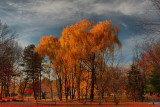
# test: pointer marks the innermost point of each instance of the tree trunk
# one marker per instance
(92, 85)
(60, 88)
(78, 86)
(50, 82)
(66, 94)
(72, 87)
(58, 85)
(78, 82)
(5, 88)
(93, 77)
(69, 88)
(34, 88)
(87, 87)
(102, 93)
(25, 86)
(40, 85)
(66, 85)
(1, 91)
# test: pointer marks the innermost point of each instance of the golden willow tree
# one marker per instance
(78, 51)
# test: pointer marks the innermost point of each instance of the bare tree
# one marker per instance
(156, 3)
(10, 53)
(151, 23)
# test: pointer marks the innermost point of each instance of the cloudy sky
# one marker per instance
(32, 19)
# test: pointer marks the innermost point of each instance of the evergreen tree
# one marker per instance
(154, 81)
(136, 85)
(33, 67)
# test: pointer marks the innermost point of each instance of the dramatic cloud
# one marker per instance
(33, 19)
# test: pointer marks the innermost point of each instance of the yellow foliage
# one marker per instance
(78, 43)
(49, 45)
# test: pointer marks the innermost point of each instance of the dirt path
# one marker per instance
(31, 104)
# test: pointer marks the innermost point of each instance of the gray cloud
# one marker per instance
(32, 11)
(33, 19)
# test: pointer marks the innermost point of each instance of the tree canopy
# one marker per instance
(80, 45)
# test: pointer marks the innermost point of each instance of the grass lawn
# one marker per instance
(31, 104)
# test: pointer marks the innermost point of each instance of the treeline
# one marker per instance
(18, 68)
(84, 62)
(146, 68)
